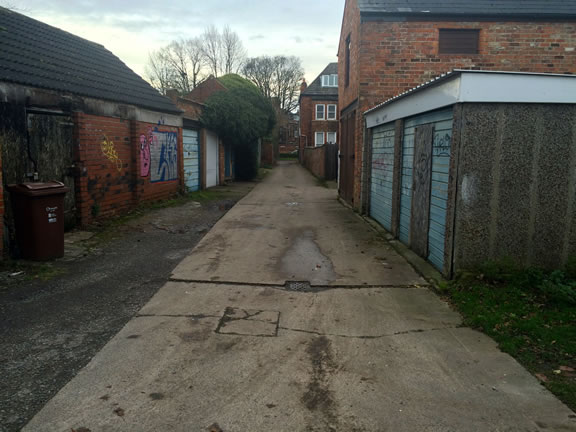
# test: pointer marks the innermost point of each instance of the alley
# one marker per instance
(292, 314)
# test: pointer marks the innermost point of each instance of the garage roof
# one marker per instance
(38, 55)
(517, 8)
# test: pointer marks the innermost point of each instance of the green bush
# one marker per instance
(558, 288)
(240, 115)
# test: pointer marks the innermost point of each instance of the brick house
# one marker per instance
(388, 47)
(319, 112)
(73, 112)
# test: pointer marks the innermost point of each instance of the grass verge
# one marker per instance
(531, 314)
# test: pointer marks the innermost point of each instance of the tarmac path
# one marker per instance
(291, 314)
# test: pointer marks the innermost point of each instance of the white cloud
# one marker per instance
(131, 28)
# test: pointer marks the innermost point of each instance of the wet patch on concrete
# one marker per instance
(156, 396)
(304, 260)
(246, 322)
(319, 399)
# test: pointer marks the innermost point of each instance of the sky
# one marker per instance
(133, 28)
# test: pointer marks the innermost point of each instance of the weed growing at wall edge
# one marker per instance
(531, 313)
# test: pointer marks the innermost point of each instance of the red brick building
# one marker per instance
(389, 47)
(73, 112)
(319, 111)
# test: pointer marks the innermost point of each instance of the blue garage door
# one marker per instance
(382, 175)
(191, 159)
(442, 121)
(439, 194)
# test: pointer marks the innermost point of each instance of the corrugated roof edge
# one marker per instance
(450, 75)
(529, 15)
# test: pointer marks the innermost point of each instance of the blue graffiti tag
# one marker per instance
(164, 156)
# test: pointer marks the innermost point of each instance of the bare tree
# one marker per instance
(185, 63)
(196, 60)
(176, 56)
(223, 51)
(212, 49)
(277, 77)
(233, 52)
(160, 72)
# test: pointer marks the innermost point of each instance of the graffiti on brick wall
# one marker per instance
(109, 150)
(159, 155)
(145, 144)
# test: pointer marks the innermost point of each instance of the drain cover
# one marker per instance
(297, 286)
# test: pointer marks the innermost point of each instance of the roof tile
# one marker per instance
(38, 55)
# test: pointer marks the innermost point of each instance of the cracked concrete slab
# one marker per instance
(368, 359)
(263, 240)
(350, 358)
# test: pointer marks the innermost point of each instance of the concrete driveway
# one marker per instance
(353, 342)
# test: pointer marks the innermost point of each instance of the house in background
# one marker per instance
(319, 112)
(319, 115)
(289, 125)
(389, 47)
(73, 112)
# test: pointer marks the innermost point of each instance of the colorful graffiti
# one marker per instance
(109, 150)
(159, 155)
(145, 144)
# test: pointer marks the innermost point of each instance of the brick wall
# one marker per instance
(309, 126)
(116, 172)
(389, 65)
(314, 160)
(388, 58)
(205, 90)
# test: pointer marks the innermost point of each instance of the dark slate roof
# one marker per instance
(518, 8)
(315, 88)
(38, 55)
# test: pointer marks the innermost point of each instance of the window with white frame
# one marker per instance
(320, 114)
(331, 137)
(319, 141)
(330, 80)
(331, 112)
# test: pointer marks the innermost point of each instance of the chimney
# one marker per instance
(172, 94)
(303, 86)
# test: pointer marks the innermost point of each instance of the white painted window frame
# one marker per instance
(328, 111)
(335, 137)
(329, 80)
(323, 112)
(317, 143)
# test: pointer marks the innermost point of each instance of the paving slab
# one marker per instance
(253, 358)
(291, 228)
(355, 343)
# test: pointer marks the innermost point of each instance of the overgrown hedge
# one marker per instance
(240, 115)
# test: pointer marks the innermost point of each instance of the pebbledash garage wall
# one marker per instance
(477, 166)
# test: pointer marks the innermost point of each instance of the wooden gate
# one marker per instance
(347, 157)
(331, 161)
(50, 154)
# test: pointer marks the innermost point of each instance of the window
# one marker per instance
(319, 139)
(331, 137)
(458, 41)
(347, 74)
(320, 115)
(330, 80)
(331, 112)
